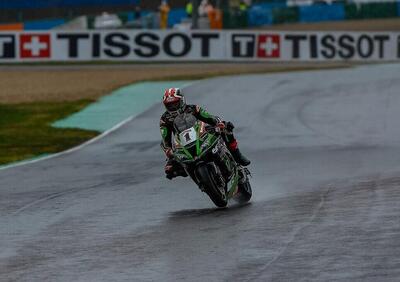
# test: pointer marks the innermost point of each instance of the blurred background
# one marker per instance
(184, 14)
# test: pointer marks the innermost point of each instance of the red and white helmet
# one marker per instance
(174, 100)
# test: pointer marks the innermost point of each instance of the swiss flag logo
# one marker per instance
(269, 46)
(35, 45)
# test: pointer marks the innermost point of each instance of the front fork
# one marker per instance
(220, 180)
(228, 167)
(225, 161)
(244, 175)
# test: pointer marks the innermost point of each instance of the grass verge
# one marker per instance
(26, 132)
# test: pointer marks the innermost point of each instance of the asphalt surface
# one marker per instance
(326, 178)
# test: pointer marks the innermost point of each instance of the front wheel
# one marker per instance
(207, 179)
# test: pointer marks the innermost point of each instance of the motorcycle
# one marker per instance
(201, 150)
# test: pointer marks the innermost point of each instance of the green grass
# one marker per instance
(26, 132)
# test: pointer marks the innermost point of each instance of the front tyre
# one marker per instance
(207, 177)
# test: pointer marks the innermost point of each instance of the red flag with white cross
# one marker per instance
(268, 46)
(35, 45)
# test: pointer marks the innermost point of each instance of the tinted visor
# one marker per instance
(173, 106)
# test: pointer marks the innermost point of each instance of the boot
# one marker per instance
(174, 169)
(239, 158)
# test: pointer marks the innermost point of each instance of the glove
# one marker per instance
(220, 127)
(229, 126)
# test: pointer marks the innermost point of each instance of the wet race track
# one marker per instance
(325, 148)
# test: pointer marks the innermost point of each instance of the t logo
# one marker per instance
(398, 46)
(7, 46)
(243, 45)
(35, 46)
(268, 46)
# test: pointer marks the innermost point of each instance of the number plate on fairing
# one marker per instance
(188, 136)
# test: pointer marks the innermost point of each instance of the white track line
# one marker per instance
(104, 134)
(91, 141)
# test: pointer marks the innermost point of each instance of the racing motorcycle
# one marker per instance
(201, 150)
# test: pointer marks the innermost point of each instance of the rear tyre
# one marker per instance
(207, 179)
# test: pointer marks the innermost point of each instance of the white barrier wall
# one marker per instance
(149, 45)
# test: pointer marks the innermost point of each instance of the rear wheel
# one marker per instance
(207, 178)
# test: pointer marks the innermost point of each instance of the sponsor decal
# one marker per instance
(142, 45)
(268, 46)
(7, 46)
(398, 46)
(243, 45)
(35, 45)
(333, 46)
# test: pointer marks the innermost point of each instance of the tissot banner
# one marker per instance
(174, 46)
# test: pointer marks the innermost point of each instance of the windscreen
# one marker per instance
(184, 121)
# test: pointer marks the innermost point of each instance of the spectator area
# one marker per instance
(47, 14)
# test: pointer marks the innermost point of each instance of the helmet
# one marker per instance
(174, 100)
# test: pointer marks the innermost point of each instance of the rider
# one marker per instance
(174, 102)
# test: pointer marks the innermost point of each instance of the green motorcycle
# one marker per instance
(201, 150)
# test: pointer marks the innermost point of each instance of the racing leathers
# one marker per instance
(173, 168)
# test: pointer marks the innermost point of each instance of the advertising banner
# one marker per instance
(175, 46)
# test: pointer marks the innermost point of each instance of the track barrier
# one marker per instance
(174, 46)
